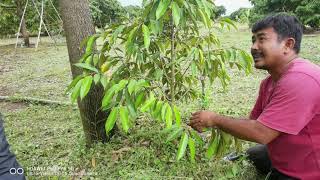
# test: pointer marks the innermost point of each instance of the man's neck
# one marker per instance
(277, 71)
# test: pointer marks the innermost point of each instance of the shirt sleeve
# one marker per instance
(292, 105)
(257, 109)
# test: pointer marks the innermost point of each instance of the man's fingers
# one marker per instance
(195, 113)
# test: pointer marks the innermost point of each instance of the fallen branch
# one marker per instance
(7, 6)
(32, 100)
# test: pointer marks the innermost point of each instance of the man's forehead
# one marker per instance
(266, 31)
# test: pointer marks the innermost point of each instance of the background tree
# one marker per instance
(241, 15)
(106, 12)
(306, 10)
(11, 13)
(78, 25)
(133, 11)
(218, 11)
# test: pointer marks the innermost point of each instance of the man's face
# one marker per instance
(266, 49)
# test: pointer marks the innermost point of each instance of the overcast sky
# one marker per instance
(230, 5)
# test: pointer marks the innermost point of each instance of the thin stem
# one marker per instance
(172, 90)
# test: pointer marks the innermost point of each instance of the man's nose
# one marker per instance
(254, 46)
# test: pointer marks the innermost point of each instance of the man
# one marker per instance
(286, 116)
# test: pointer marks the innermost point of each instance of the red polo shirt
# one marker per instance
(292, 106)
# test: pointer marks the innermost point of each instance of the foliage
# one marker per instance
(151, 64)
(8, 19)
(241, 15)
(218, 11)
(9, 22)
(306, 10)
(133, 11)
(51, 135)
(105, 12)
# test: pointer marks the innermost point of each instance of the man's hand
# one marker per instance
(203, 119)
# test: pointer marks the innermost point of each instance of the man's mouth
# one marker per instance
(256, 56)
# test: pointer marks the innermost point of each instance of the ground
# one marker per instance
(48, 139)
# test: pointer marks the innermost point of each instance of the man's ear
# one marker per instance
(289, 45)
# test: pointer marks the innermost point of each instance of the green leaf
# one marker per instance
(177, 115)
(124, 117)
(139, 99)
(84, 41)
(116, 33)
(90, 43)
(76, 91)
(176, 12)
(96, 78)
(73, 83)
(182, 146)
(213, 146)
(174, 134)
(141, 84)
(87, 66)
(197, 137)
(131, 36)
(146, 36)
(203, 17)
(147, 105)
(131, 85)
(157, 111)
(130, 104)
(108, 96)
(163, 111)
(121, 85)
(230, 22)
(168, 117)
(104, 81)
(85, 87)
(111, 119)
(192, 149)
(162, 8)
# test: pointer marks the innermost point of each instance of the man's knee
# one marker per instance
(260, 158)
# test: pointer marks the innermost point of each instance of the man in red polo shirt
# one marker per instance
(286, 116)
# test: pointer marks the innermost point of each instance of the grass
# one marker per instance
(51, 136)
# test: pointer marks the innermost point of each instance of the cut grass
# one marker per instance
(51, 136)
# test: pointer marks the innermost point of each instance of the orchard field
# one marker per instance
(51, 136)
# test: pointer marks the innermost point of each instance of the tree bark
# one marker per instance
(20, 7)
(77, 24)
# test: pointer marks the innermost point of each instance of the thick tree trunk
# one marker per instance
(78, 25)
(20, 6)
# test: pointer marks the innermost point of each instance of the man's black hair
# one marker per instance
(286, 26)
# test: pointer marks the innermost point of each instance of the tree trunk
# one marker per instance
(20, 7)
(77, 24)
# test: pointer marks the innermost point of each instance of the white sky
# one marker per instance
(230, 5)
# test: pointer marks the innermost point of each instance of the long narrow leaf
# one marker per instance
(87, 66)
(176, 12)
(111, 119)
(177, 115)
(182, 146)
(162, 8)
(192, 149)
(146, 36)
(76, 91)
(85, 87)
(124, 117)
(73, 83)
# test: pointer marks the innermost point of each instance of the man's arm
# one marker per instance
(251, 130)
(246, 129)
